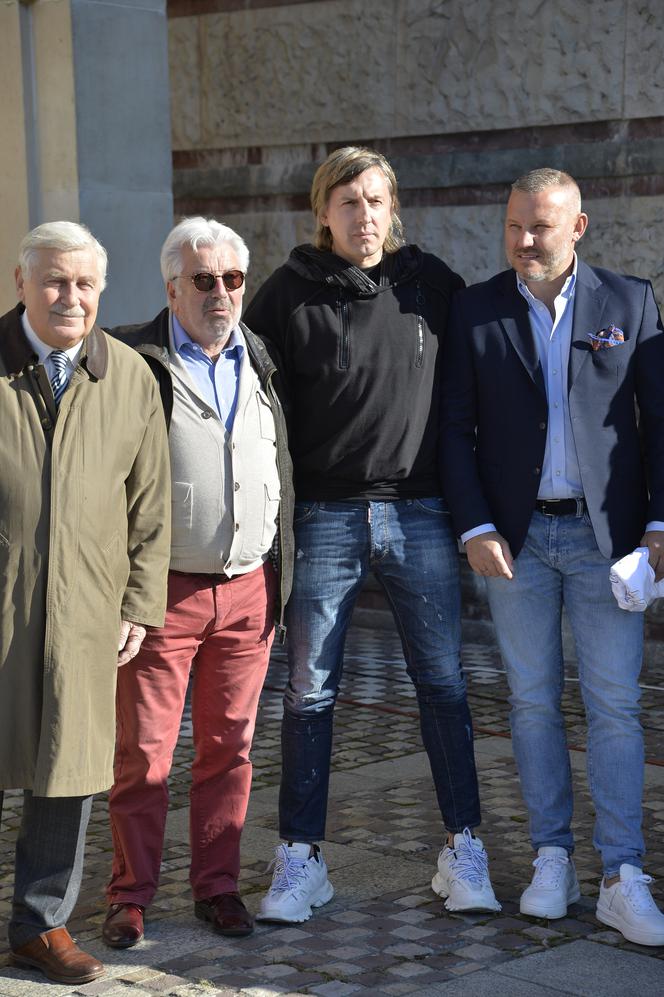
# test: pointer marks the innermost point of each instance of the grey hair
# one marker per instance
(536, 181)
(198, 232)
(63, 236)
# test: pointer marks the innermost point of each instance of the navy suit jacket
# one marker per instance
(494, 409)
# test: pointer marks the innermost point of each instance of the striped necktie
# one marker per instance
(59, 379)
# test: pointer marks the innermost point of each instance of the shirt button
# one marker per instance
(554, 371)
(206, 415)
(557, 474)
(236, 485)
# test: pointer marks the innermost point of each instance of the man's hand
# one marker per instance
(654, 541)
(131, 638)
(489, 555)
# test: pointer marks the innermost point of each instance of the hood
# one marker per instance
(324, 267)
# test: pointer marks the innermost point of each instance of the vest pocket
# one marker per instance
(270, 515)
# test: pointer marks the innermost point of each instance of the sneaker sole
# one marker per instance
(552, 913)
(438, 886)
(640, 938)
(304, 913)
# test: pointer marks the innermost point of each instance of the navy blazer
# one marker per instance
(494, 409)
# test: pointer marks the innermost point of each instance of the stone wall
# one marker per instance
(462, 95)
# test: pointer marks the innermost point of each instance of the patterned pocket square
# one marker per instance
(606, 338)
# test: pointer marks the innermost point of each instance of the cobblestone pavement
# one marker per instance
(384, 932)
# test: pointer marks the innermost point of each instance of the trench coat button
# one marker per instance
(237, 527)
(206, 415)
(236, 486)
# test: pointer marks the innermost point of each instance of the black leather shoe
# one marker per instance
(226, 913)
(123, 926)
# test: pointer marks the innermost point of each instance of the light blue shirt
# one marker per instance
(216, 381)
(552, 335)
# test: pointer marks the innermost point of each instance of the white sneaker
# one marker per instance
(553, 886)
(463, 875)
(299, 883)
(629, 907)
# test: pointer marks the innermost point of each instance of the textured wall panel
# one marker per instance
(304, 73)
(644, 44)
(185, 77)
(465, 64)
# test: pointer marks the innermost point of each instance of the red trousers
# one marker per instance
(221, 632)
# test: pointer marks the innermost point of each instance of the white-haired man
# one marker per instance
(84, 543)
(230, 465)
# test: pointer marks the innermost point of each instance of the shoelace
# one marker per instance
(288, 871)
(471, 863)
(637, 893)
(549, 868)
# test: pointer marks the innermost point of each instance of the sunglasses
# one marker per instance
(205, 281)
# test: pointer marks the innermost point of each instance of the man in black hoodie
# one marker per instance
(357, 320)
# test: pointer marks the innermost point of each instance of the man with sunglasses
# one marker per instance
(551, 475)
(232, 509)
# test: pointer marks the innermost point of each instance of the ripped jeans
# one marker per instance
(410, 547)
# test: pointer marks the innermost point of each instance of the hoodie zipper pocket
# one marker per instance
(419, 308)
(344, 343)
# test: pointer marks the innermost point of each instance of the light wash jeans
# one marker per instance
(410, 546)
(558, 566)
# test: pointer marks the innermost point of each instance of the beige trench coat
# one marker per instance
(84, 543)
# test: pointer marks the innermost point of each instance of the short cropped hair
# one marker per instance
(198, 232)
(538, 180)
(63, 236)
(343, 166)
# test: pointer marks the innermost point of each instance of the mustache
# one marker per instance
(68, 312)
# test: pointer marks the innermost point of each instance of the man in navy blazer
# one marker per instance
(552, 455)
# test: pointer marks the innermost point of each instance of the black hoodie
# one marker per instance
(359, 352)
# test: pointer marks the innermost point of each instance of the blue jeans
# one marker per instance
(410, 547)
(560, 565)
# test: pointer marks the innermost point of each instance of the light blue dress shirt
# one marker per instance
(552, 335)
(217, 382)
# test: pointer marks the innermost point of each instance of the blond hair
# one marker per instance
(343, 166)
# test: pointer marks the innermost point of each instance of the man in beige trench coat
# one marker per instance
(84, 551)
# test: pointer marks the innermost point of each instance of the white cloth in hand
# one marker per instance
(633, 581)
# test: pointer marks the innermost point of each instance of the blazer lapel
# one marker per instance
(516, 324)
(590, 297)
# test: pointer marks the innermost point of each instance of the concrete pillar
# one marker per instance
(94, 143)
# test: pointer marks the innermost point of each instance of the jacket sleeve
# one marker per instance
(148, 489)
(460, 478)
(650, 398)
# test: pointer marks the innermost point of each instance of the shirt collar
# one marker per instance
(566, 291)
(181, 338)
(42, 349)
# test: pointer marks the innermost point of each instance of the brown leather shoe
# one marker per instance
(58, 957)
(227, 913)
(123, 926)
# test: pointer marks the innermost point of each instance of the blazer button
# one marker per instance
(206, 415)
(236, 486)
(536, 470)
(542, 425)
